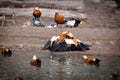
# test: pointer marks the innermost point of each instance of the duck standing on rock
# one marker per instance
(36, 61)
(65, 42)
(36, 17)
(6, 52)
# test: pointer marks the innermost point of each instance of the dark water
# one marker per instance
(57, 66)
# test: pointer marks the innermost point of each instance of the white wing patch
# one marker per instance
(69, 41)
(70, 23)
(54, 38)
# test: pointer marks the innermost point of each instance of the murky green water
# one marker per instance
(57, 66)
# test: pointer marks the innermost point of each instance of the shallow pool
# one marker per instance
(57, 66)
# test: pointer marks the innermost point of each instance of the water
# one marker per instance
(57, 66)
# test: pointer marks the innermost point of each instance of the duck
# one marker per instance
(65, 42)
(70, 21)
(37, 12)
(59, 39)
(35, 61)
(91, 60)
(6, 51)
(59, 19)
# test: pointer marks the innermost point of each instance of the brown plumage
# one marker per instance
(35, 61)
(59, 19)
(6, 51)
(37, 12)
(67, 35)
(90, 60)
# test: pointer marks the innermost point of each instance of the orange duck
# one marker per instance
(35, 61)
(90, 60)
(37, 12)
(70, 21)
(6, 52)
(59, 19)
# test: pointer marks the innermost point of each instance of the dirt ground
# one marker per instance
(101, 31)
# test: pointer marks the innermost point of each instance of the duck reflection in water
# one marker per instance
(60, 59)
(62, 64)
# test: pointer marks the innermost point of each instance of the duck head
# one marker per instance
(37, 8)
(85, 57)
(34, 57)
(56, 12)
(35, 61)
